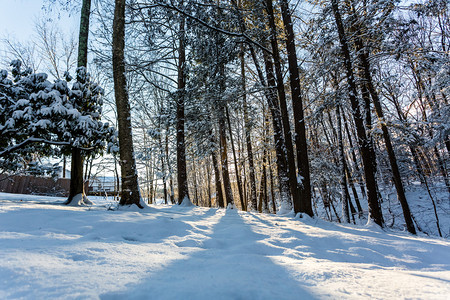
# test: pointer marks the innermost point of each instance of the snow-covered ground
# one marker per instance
(420, 203)
(52, 251)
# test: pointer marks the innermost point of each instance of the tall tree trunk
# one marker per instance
(387, 138)
(236, 167)
(163, 165)
(354, 192)
(345, 197)
(265, 202)
(151, 176)
(272, 100)
(248, 135)
(169, 168)
(208, 176)
(272, 192)
(130, 188)
(367, 153)
(148, 182)
(224, 160)
(195, 181)
(147, 166)
(172, 191)
(76, 165)
(183, 189)
(289, 148)
(84, 33)
(219, 193)
(355, 161)
(64, 166)
(305, 204)
(263, 190)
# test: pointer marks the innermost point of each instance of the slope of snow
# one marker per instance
(52, 251)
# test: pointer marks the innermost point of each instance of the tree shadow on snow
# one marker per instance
(108, 227)
(354, 244)
(230, 263)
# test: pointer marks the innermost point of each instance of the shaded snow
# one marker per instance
(186, 202)
(51, 251)
(80, 200)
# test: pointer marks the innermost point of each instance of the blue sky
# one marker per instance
(17, 18)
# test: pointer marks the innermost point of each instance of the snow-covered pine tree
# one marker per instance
(40, 118)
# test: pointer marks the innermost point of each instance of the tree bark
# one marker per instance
(345, 197)
(248, 140)
(367, 153)
(208, 176)
(219, 193)
(289, 148)
(224, 159)
(76, 165)
(272, 192)
(387, 138)
(272, 100)
(183, 189)
(238, 176)
(130, 188)
(305, 202)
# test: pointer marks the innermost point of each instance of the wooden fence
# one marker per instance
(34, 185)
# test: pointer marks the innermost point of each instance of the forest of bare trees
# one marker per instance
(327, 108)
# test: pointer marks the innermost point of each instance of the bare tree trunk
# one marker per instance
(219, 193)
(172, 191)
(208, 176)
(387, 138)
(76, 166)
(355, 161)
(289, 148)
(272, 192)
(248, 136)
(84, 33)
(148, 183)
(345, 197)
(194, 175)
(151, 176)
(265, 205)
(183, 189)
(130, 188)
(64, 166)
(163, 166)
(355, 193)
(169, 168)
(305, 203)
(146, 190)
(224, 159)
(367, 153)
(238, 177)
(272, 100)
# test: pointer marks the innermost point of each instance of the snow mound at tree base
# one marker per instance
(231, 206)
(80, 200)
(186, 202)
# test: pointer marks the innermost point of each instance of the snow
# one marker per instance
(186, 202)
(80, 200)
(43, 123)
(52, 251)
